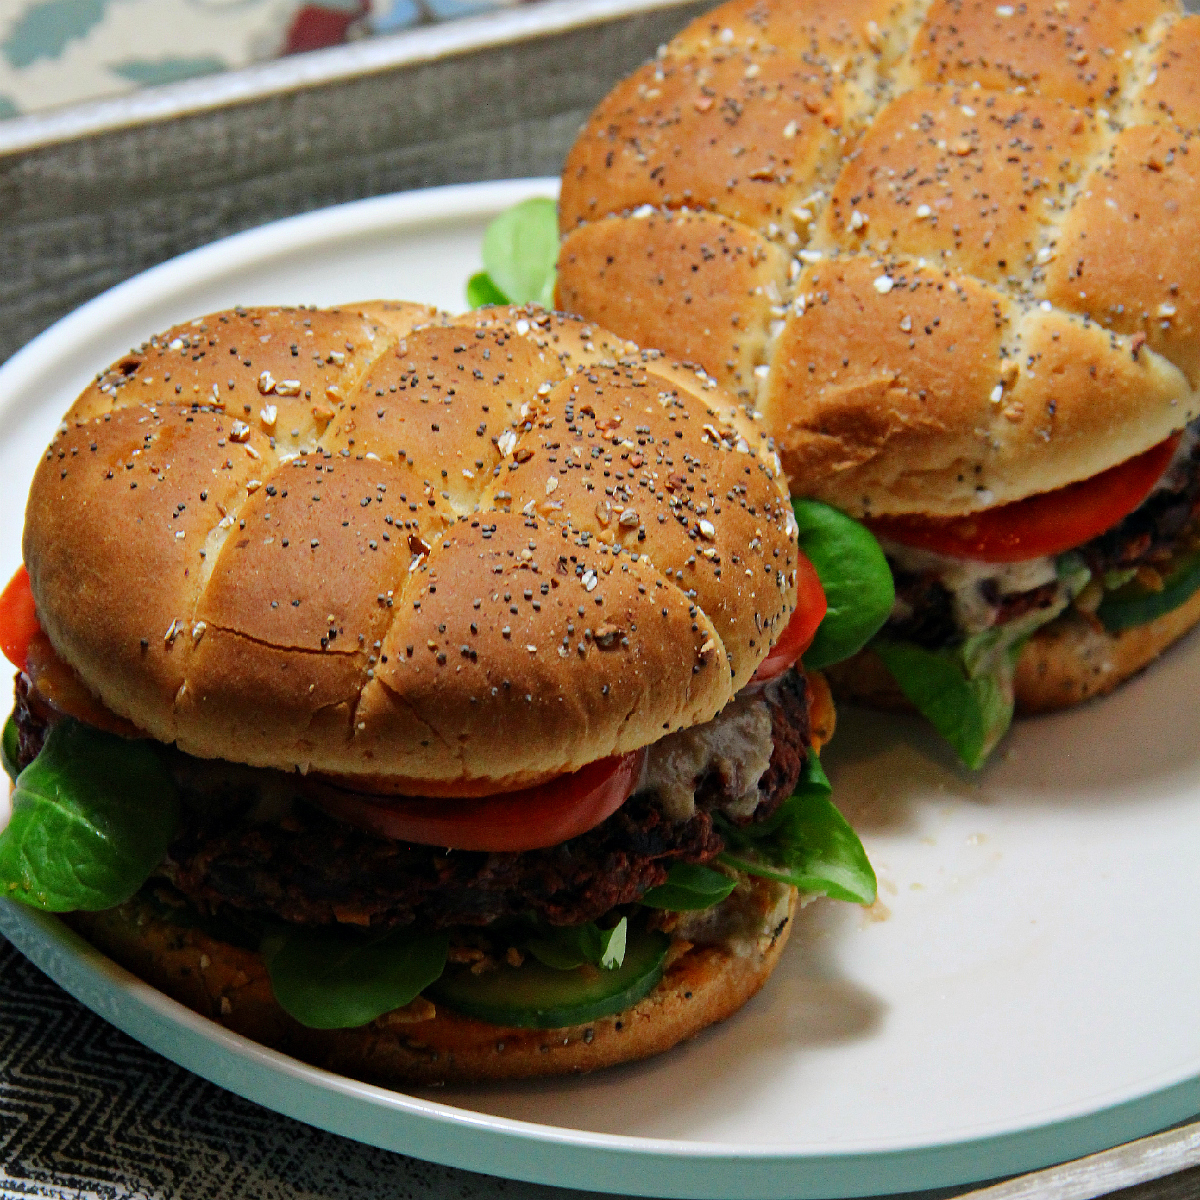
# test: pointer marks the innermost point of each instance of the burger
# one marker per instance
(949, 251)
(420, 695)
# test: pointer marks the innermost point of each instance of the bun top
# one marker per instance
(445, 555)
(951, 249)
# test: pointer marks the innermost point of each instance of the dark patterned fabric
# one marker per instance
(87, 1112)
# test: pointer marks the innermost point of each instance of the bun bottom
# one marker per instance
(423, 1043)
(1067, 662)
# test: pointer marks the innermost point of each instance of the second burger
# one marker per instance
(949, 251)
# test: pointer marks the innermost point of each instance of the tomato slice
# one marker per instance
(799, 632)
(1048, 523)
(18, 619)
(530, 819)
(54, 684)
(59, 692)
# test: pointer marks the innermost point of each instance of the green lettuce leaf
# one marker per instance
(966, 691)
(10, 748)
(565, 947)
(481, 290)
(689, 888)
(806, 843)
(338, 979)
(92, 816)
(855, 576)
(520, 249)
(971, 713)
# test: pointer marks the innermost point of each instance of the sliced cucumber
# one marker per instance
(535, 996)
(1134, 604)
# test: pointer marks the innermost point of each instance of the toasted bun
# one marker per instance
(424, 1043)
(1068, 661)
(1073, 659)
(460, 554)
(951, 250)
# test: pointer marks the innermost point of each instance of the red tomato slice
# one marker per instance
(18, 619)
(58, 691)
(799, 632)
(1045, 524)
(54, 684)
(545, 815)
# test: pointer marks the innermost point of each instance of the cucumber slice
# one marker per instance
(535, 996)
(1133, 604)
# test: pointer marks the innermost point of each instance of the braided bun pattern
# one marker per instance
(950, 248)
(442, 555)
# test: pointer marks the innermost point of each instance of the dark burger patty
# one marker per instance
(931, 621)
(1152, 532)
(310, 869)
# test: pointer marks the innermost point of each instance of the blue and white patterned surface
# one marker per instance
(57, 52)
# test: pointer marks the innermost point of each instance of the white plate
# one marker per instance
(1026, 991)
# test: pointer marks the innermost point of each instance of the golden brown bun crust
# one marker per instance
(1145, 198)
(1066, 662)
(908, 425)
(976, 233)
(1071, 660)
(461, 553)
(227, 984)
(729, 269)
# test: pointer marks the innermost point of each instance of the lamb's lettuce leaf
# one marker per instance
(339, 978)
(806, 843)
(343, 978)
(520, 249)
(481, 290)
(855, 576)
(92, 816)
(971, 712)
(690, 887)
(565, 947)
(966, 690)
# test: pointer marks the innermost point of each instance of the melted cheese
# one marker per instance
(736, 744)
(964, 579)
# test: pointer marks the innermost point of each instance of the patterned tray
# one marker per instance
(56, 52)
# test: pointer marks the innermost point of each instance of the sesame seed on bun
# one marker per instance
(950, 250)
(458, 555)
